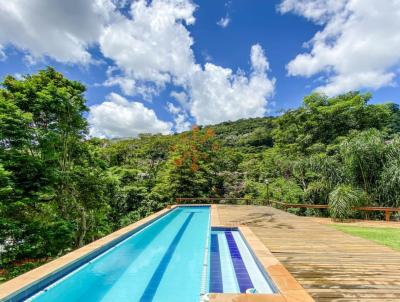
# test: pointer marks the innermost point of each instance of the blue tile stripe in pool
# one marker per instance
(155, 280)
(242, 275)
(215, 266)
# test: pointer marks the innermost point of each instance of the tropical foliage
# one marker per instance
(60, 189)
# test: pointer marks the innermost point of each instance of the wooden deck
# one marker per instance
(330, 265)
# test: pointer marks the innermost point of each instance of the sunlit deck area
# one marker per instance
(329, 264)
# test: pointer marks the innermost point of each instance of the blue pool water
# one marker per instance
(163, 262)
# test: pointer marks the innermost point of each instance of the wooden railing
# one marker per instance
(387, 210)
(380, 209)
(284, 205)
(247, 201)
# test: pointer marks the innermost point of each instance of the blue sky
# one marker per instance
(281, 36)
(230, 59)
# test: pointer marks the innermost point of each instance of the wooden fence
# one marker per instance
(285, 206)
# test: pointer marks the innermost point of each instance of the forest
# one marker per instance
(61, 189)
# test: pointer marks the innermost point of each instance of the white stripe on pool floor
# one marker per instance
(229, 281)
(258, 279)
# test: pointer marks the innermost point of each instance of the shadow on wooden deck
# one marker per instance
(330, 265)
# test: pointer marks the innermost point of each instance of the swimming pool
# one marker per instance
(162, 262)
(177, 257)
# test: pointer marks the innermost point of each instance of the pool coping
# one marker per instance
(289, 289)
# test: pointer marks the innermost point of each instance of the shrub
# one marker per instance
(342, 200)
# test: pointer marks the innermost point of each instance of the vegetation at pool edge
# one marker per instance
(60, 190)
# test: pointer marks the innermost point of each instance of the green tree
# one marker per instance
(42, 129)
(363, 156)
(191, 167)
(322, 120)
(389, 178)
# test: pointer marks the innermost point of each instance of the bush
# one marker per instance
(286, 190)
(342, 200)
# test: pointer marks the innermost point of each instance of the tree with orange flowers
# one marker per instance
(192, 164)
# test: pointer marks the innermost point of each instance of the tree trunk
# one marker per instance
(82, 228)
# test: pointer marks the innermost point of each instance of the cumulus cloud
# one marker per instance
(358, 47)
(62, 30)
(132, 87)
(117, 117)
(218, 94)
(180, 118)
(153, 45)
(149, 47)
(181, 97)
(319, 11)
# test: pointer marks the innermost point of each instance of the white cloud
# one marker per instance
(181, 97)
(318, 11)
(358, 46)
(132, 87)
(207, 57)
(258, 60)
(152, 46)
(224, 22)
(63, 30)
(3, 55)
(117, 117)
(127, 85)
(218, 94)
(180, 118)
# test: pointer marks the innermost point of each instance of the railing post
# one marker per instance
(387, 215)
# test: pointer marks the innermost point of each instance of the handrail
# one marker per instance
(213, 198)
(387, 210)
(301, 205)
(180, 199)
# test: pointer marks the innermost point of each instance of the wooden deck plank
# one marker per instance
(329, 264)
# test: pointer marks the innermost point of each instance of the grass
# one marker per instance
(385, 236)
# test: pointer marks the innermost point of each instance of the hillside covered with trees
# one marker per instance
(60, 189)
